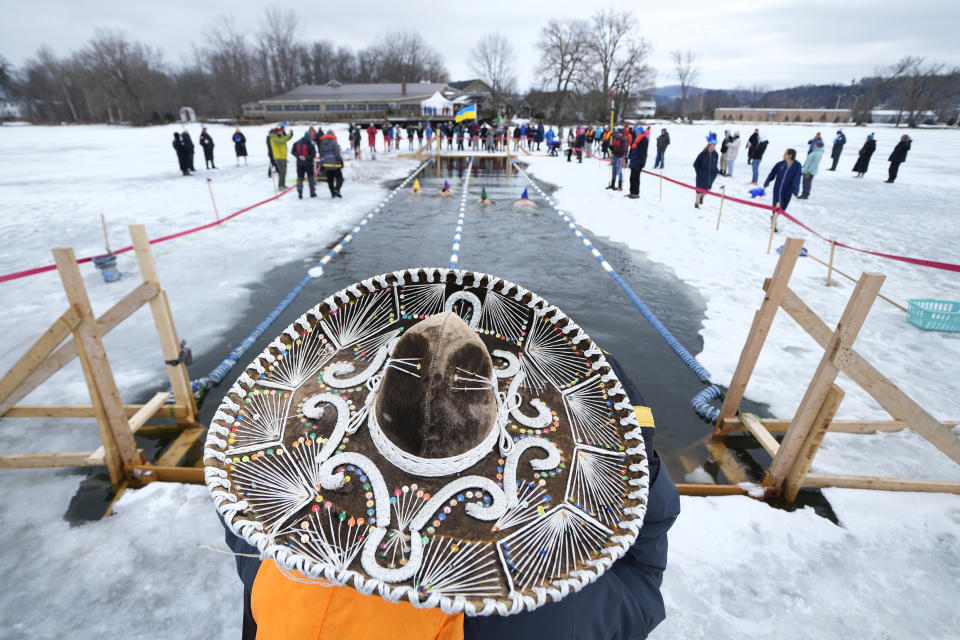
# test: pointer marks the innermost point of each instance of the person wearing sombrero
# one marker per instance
(436, 453)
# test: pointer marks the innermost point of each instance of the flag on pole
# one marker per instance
(467, 113)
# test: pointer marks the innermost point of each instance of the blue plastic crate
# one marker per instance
(934, 315)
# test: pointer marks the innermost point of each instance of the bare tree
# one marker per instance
(492, 60)
(617, 56)
(687, 70)
(563, 57)
(129, 74)
(229, 63)
(922, 86)
(279, 49)
(403, 56)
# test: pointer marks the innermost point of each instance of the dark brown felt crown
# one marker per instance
(438, 414)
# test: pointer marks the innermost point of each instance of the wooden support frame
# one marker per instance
(116, 422)
(793, 456)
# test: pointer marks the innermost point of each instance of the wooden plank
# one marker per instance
(34, 460)
(163, 319)
(852, 319)
(179, 448)
(762, 320)
(38, 352)
(88, 337)
(85, 411)
(148, 410)
(727, 462)
(688, 489)
(780, 425)
(152, 473)
(882, 483)
(119, 312)
(888, 395)
(794, 479)
(753, 425)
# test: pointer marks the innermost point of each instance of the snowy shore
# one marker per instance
(738, 568)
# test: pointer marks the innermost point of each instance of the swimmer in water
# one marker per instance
(483, 197)
(525, 202)
(446, 191)
(416, 186)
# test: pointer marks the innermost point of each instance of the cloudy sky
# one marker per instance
(775, 43)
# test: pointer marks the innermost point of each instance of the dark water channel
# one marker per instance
(534, 248)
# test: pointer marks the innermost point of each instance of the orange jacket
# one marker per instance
(289, 610)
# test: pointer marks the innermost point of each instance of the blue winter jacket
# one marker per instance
(706, 166)
(787, 182)
(539, 137)
(638, 152)
(623, 604)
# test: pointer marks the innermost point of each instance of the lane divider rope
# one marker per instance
(458, 234)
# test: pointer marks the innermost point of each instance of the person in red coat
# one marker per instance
(372, 138)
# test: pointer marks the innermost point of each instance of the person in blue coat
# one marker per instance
(540, 135)
(786, 177)
(706, 168)
(838, 143)
(552, 145)
(638, 159)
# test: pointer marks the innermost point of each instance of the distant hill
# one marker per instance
(672, 92)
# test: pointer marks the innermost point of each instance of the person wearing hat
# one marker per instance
(733, 150)
(525, 202)
(837, 149)
(331, 162)
(727, 137)
(240, 146)
(862, 164)
(755, 155)
(638, 159)
(188, 149)
(812, 142)
(619, 148)
(436, 453)
(786, 176)
(305, 153)
(272, 165)
(898, 157)
(206, 142)
(181, 154)
(278, 144)
(810, 167)
(752, 143)
(706, 167)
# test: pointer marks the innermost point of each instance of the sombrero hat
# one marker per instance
(436, 436)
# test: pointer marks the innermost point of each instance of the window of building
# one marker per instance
(335, 107)
(274, 107)
(310, 107)
(410, 107)
(291, 107)
(378, 106)
(356, 107)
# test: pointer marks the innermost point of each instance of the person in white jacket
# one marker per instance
(733, 148)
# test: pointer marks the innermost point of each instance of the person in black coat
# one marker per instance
(838, 143)
(898, 157)
(706, 168)
(207, 143)
(638, 159)
(752, 143)
(240, 146)
(188, 149)
(181, 154)
(304, 152)
(663, 141)
(270, 165)
(866, 151)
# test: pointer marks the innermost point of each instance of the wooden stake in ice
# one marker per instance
(833, 246)
(106, 240)
(773, 229)
(723, 196)
(215, 212)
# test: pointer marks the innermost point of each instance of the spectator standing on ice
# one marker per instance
(838, 143)
(278, 142)
(752, 142)
(372, 139)
(541, 135)
(181, 154)
(706, 167)
(619, 148)
(663, 141)
(733, 150)
(723, 151)
(812, 142)
(304, 153)
(355, 142)
(578, 144)
(898, 157)
(810, 167)
(206, 142)
(786, 177)
(756, 155)
(866, 152)
(331, 162)
(428, 131)
(188, 149)
(638, 159)
(240, 146)
(272, 165)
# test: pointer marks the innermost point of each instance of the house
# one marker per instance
(371, 101)
(10, 109)
(749, 114)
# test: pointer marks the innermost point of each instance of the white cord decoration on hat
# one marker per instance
(457, 568)
(543, 417)
(532, 501)
(591, 414)
(263, 417)
(513, 363)
(275, 486)
(312, 410)
(298, 362)
(551, 547)
(548, 349)
(503, 316)
(360, 319)
(422, 300)
(496, 508)
(333, 370)
(595, 483)
(330, 538)
(469, 298)
(552, 461)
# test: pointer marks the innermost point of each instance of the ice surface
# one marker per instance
(738, 568)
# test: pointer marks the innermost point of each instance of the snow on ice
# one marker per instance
(738, 568)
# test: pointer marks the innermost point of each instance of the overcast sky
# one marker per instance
(775, 43)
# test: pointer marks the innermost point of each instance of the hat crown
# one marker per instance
(449, 406)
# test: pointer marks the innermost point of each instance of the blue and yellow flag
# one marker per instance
(467, 113)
